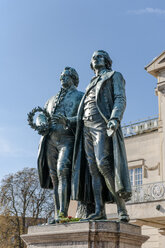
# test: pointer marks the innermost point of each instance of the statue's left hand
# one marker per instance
(43, 130)
(59, 118)
(113, 125)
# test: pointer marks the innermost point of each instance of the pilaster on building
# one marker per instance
(157, 69)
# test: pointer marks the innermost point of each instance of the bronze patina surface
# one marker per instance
(99, 142)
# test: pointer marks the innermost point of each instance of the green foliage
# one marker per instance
(69, 219)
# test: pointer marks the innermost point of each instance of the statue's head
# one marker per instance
(101, 57)
(69, 76)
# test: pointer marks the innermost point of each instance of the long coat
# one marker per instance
(71, 102)
(111, 102)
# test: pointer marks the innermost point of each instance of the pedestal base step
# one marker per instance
(93, 234)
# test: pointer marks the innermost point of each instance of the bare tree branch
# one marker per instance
(22, 203)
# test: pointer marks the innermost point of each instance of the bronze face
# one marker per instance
(66, 80)
(98, 60)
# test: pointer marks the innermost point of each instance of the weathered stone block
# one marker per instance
(93, 234)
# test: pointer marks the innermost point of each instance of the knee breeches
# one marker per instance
(99, 151)
(59, 153)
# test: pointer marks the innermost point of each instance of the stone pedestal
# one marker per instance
(94, 234)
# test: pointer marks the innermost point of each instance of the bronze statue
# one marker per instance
(56, 146)
(99, 134)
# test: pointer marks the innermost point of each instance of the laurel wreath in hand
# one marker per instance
(44, 128)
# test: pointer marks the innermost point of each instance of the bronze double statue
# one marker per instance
(82, 155)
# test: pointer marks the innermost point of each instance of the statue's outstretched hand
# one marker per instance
(60, 119)
(43, 130)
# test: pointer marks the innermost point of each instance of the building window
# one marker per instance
(135, 176)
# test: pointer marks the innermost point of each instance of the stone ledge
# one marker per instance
(85, 234)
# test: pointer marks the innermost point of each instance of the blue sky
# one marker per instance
(38, 38)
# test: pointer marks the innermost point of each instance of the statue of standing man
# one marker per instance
(56, 146)
(99, 134)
